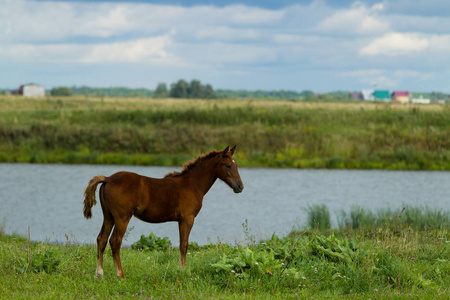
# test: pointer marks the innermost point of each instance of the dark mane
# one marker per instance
(193, 163)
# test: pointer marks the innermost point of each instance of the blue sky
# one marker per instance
(318, 45)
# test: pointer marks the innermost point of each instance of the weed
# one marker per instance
(152, 243)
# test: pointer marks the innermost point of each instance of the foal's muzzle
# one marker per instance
(238, 187)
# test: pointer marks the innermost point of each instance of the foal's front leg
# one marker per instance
(184, 226)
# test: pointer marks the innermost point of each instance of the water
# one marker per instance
(49, 198)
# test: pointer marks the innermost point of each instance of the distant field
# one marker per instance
(15, 103)
(269, 133)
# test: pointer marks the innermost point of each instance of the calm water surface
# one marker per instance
(49, 199)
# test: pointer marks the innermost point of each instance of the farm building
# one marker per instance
(419, 99)
(367, 95)
(381, 95)
(356, 96)
(400, 97)
(30, 90)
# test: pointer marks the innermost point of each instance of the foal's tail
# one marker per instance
(89, 195)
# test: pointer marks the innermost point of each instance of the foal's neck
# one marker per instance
(203, 176)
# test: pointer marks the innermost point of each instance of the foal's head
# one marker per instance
(227, 170)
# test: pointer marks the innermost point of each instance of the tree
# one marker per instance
(61, 91)
(161, 90)
(208, 92)
(195, 89)
(179, 89)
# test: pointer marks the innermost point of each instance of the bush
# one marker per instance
(61, 91)
(152, 243)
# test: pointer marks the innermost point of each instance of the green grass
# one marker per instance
(386, 261)
(268, 133)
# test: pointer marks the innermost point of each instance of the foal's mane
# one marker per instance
(193, 163)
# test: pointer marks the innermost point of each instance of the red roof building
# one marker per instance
(400, 97)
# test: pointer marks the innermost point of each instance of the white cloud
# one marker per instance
(149, 50)
(225, 33)
(225, 54)
(386, 78)
(395, 44)
(412, 74)
(51, 20)
(31, 20)
(245, 15)
(241, 39)
(378, 7)
(430, 8)
(301, 39)
(398, 44)
(373, 77)
(146, 50)
(356, 20)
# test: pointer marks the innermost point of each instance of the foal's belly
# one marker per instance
(156, 215)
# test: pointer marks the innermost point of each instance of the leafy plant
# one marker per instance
(334, 248)
(47, 262)
(152, 243)
(246, 262)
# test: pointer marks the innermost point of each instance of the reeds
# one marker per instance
(318, 217)
(362, 219)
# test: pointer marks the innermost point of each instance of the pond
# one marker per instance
(49, 199)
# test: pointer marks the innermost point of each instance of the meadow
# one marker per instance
(268, 132)
(400, 255)
(379, 255)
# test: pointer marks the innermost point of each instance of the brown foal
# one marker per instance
(176, 197)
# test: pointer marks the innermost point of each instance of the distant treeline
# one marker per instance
(280, 94)
(102, 92)
(194, 89)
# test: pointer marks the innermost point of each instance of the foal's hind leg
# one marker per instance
(102, 241)
(116, 241)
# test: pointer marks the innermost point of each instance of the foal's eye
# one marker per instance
(228, 166)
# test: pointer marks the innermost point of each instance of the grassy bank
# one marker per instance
(397, 259)
(268, 133)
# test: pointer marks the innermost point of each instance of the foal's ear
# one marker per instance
(232, 150)
(227, 149)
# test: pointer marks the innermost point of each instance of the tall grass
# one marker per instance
(318, 217)
(268, 133)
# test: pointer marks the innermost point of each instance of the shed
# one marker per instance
(30, 90)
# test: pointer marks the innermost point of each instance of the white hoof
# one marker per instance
(99, 273)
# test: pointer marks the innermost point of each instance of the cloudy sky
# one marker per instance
(319, 45)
